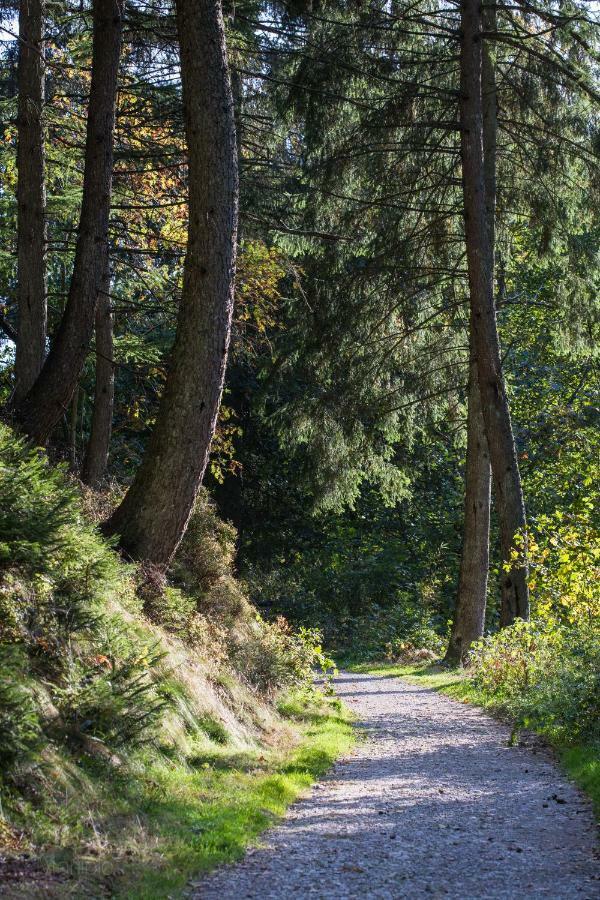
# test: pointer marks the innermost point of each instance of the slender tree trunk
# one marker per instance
(154, 514)
(96, 455)
(469, 616)
(48, 399)
(496, 414)
(31, 199)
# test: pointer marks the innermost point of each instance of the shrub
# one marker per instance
(564, 557)
(67, 667)
(275, 656)
(544, 675)
(359, 613)
(221, 624)
(203, 567)
(113, 700)
(396, 632)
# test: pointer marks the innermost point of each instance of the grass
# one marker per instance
(170, 821)
(581, 762)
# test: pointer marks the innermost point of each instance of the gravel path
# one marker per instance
(433, 804)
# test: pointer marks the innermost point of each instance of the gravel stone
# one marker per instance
(435, 803)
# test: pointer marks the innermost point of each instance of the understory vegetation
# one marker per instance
(144, 730)
(542, 675)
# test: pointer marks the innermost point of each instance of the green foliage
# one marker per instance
(34, 506)
(210, 611)
(203, 567)
(70, 669)
(83, 674)
(280, 656)
(545, 676)
(564, 554)
(20, 727)
(402, 630)
(117, 702)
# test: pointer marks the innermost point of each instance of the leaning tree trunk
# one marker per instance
(496, 414)
(154, 514)
(96, 454)
(469, 616)
(31, 199)
(49, 397)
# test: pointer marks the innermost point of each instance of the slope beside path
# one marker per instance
(434, 803)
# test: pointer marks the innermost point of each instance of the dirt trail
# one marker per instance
(435, 803)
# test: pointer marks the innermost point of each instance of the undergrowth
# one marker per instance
(140, 739)
(146, 836)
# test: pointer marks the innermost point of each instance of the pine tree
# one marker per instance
(31, 198)
(154, 514)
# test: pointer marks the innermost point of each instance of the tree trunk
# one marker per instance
(496, 414)
(469, 615)
(73, 417)
(96, 454)
(31, 199)
(48, 399)
(154, 514)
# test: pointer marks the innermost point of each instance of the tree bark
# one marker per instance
(48, 399)
(31, 198)
(496, 413)
(73, 419)
(96, 454)
(154, 514)
(469, 615)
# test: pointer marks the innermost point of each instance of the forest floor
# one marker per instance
(435, 802)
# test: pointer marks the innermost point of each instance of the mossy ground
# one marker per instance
(581, 762)
(147, 832)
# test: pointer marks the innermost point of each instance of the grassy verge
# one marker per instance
(159, 827)
(581, 762)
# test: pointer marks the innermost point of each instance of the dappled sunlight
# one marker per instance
(431, 784)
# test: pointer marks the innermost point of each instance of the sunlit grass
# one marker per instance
(144, 832)
(209, 815)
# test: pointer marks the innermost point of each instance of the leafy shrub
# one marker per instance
(203, 567)
(209, 609)
(544, 675)
(276, 656)
(564, 558)
(167, 606)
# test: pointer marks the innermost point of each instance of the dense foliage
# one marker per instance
(314, 443)
(77, 667)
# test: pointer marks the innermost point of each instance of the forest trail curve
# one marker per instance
(434, 803)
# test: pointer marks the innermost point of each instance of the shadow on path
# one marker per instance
(434, 803)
